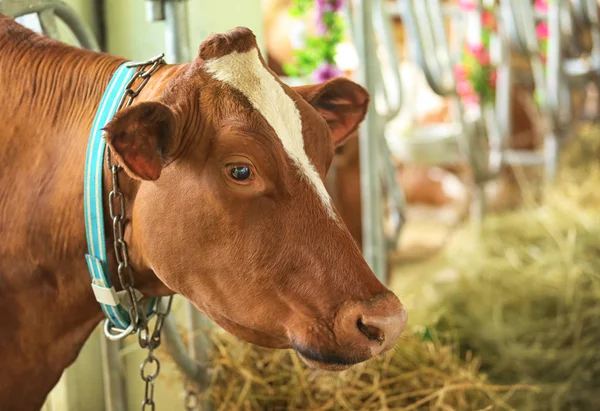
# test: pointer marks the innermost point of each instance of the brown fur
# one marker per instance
(261, 258)
(238, 40)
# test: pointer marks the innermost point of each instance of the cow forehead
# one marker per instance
(246, 73)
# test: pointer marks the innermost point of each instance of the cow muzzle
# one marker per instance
(362, 330)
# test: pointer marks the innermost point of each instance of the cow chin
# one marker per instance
(327, 362)
(252, 336)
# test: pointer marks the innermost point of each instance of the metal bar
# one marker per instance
(47, 11)
(48, 23)
(554, 63)
(155, 10)
(192, 370)
(395, 194)
(388, 61)
(594, 21)
(425, 22)
(504, 90)
(422, 39)
(442, 47)
(21, 8)
(556, 105)
(114, 390)
(82, 32)
(199, 347)
(176, 31)
(509, 25)
(391, 86)
(374, 248)
(546, 80)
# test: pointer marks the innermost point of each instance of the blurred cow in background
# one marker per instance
(431, 186)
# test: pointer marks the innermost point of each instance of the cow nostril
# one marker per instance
(372, 333)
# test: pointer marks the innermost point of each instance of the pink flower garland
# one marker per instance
(541, 6)
(328, 69)
(475, 75)
(542, 31)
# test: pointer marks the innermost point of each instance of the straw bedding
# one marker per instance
(527, 300)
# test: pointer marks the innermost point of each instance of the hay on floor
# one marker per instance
(418, 375)
(526, 298)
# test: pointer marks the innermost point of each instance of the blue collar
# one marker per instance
(113, 303)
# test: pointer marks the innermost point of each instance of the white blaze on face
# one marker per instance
(246, 73)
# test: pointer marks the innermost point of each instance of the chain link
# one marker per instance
(151, 342)
(149, 378)
(118, 214)
(144, 74)
(117, 210)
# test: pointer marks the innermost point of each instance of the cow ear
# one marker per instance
(140, 136)
(341, 102)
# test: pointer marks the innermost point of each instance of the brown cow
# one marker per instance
(226, 206)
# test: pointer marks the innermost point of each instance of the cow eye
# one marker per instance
(240, 173)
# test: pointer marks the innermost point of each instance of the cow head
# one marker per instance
(232, 212)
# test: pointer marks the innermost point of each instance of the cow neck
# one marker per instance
(48, 307)
(144, 277)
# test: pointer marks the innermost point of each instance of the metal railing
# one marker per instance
(48, 12)
(562, 73)
(477, 135)
(380, 74)
(554, 80)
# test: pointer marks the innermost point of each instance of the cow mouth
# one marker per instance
(327, 362)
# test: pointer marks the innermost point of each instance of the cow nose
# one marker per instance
(375, 324)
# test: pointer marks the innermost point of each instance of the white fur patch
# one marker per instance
(246, 73)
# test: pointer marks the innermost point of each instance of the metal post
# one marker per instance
(48, 11)
(504, 91)
(199, 346)
(193, 370)
(555, 98)
(374, 248)
(48, 23)
(174, 14)
(114, 393)
(176, 31)
(82, 32)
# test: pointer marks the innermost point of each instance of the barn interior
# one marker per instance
(472, 188)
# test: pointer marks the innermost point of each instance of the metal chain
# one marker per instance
(149, 378)
(142, 73)
(116, 199)
(151, 342)
(118, 215)
(116, 206)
